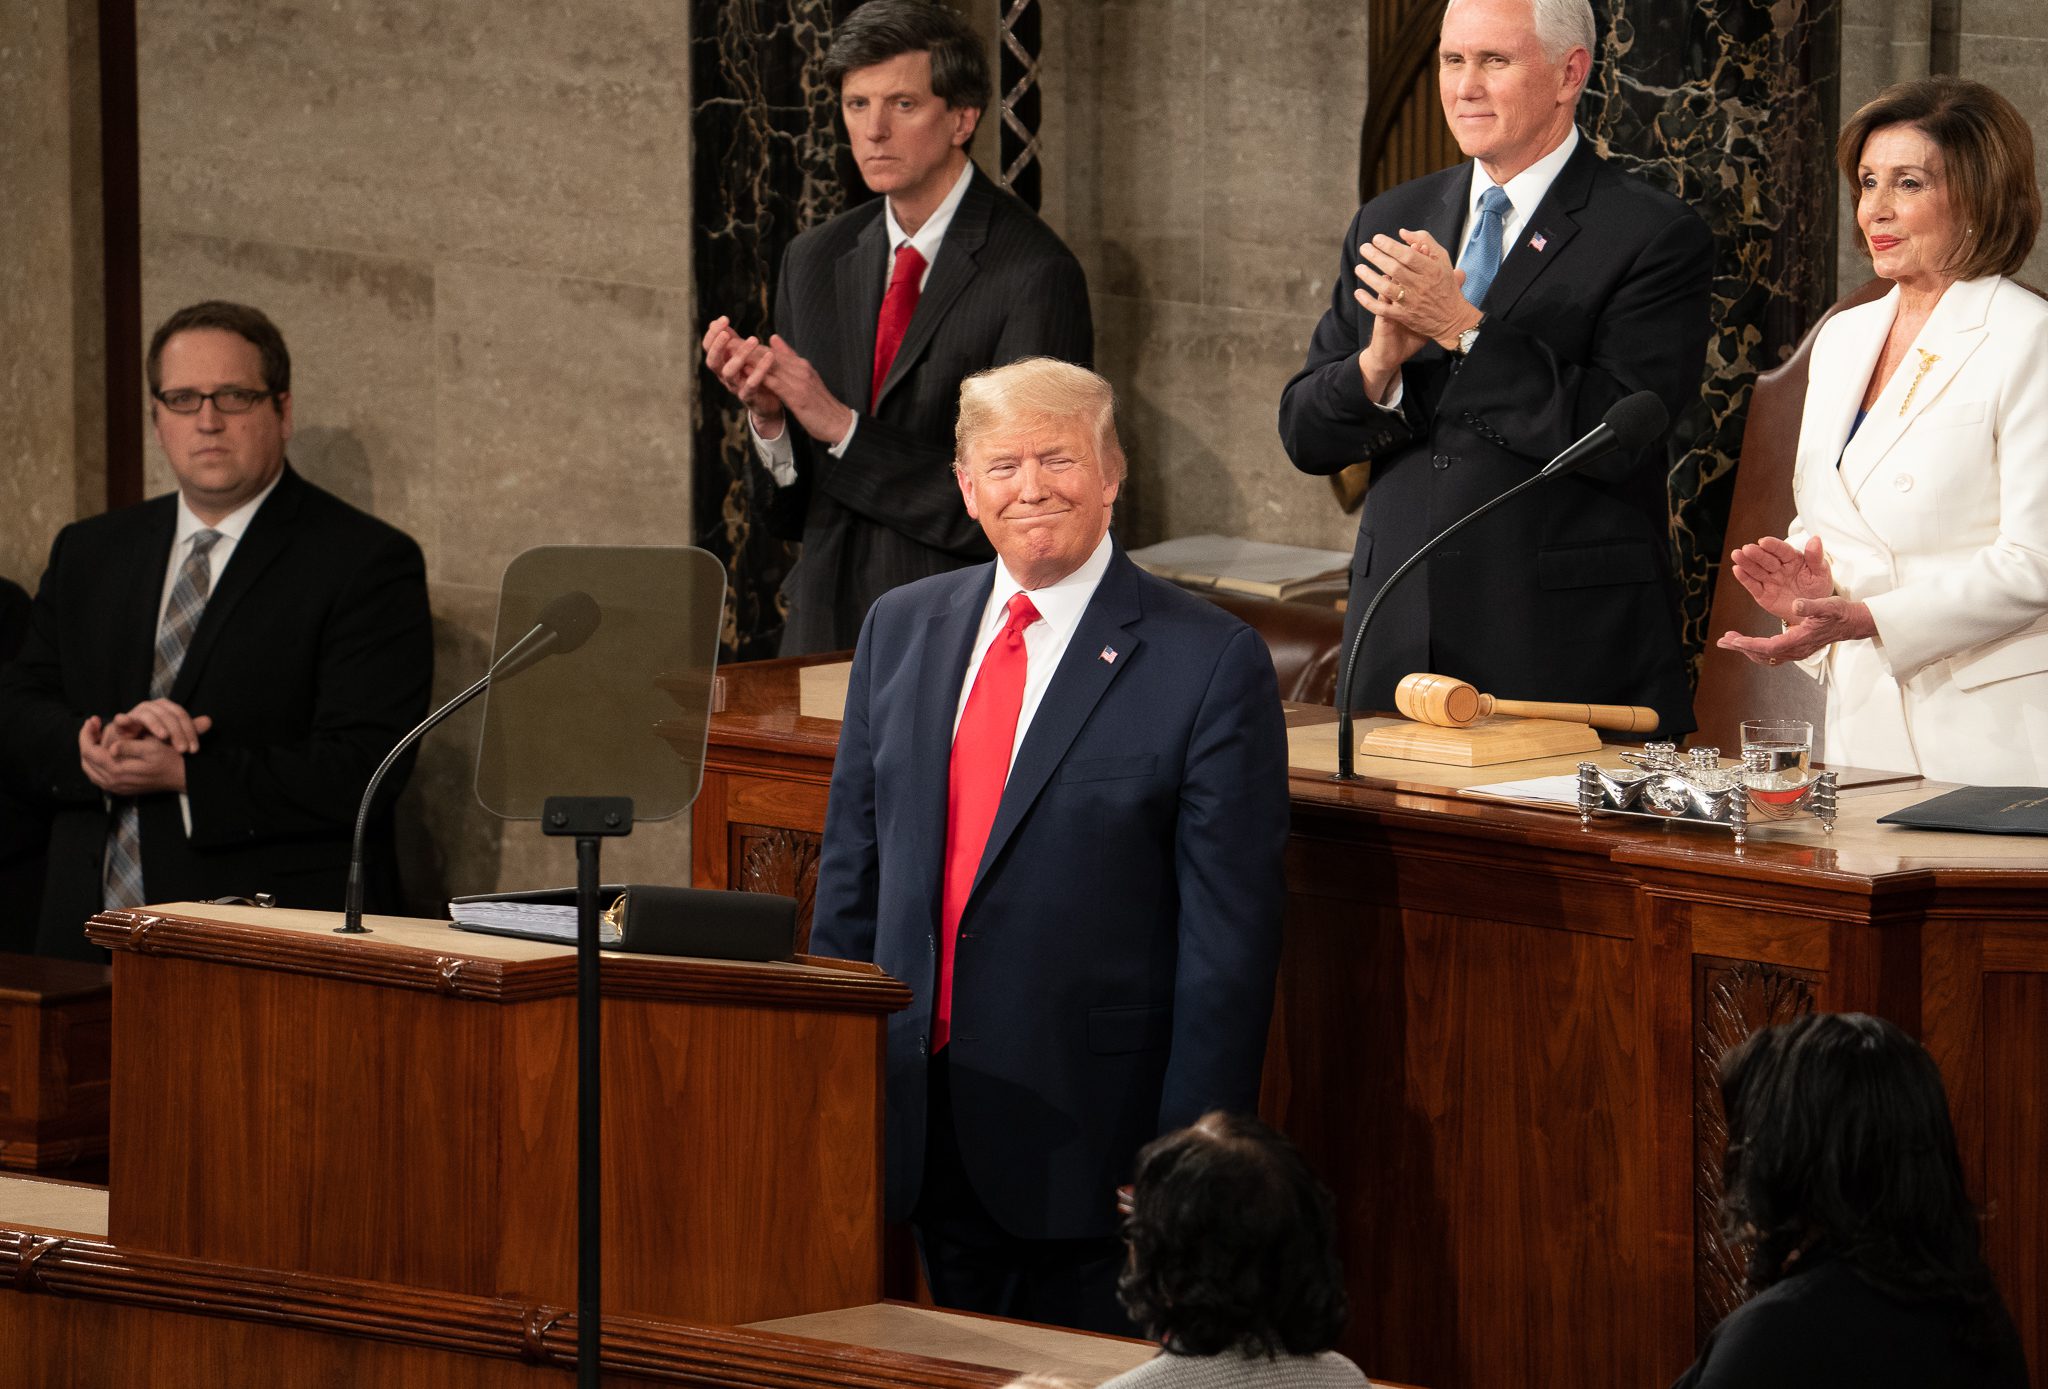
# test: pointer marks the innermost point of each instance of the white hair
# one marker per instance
(1561, 26)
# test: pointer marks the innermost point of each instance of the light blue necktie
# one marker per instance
(1481, 261)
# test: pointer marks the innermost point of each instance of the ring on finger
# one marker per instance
(1400, 293)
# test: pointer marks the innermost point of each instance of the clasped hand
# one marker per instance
(1416, 295)
(1796, 586)
(142, 750)
(773, 380)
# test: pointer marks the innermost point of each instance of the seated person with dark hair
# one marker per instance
(1843, 1184)
(1233, 1263)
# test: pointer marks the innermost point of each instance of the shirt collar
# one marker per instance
(934, 229)
(1526, 189)
(1059, 603)
(230, 526)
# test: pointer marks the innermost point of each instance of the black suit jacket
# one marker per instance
(24, 821)
(1114, 972)
(1003, 287)
(1825, 1325)
(1565, 593)
(313, 657)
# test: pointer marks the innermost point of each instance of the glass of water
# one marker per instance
(1775, 753)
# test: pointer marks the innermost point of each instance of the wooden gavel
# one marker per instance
(1449, 703)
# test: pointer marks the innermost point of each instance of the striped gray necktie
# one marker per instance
(1482, 253)
(121, 879)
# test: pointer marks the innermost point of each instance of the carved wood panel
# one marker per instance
(1731, 1000)
(1404, 134)
(774, 859)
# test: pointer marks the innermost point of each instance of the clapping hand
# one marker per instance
(1796, 586)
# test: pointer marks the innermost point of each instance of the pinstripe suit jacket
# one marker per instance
(1003, 287)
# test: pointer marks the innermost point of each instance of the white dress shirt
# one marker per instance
(1060, 605)
(777, 455)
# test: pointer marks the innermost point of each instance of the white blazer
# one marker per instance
(1936, 515)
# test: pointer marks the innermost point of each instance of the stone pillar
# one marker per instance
(52, 314)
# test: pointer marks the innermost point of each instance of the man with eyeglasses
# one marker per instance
(210, 677)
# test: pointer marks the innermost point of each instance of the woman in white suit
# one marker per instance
(1914, 582)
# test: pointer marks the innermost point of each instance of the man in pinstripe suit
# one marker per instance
(879, 315)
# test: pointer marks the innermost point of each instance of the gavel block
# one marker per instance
(1457, 725)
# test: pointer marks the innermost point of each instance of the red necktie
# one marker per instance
(981, 764)
(906, 281)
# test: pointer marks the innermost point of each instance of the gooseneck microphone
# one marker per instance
(1631, 423)
(566, 621)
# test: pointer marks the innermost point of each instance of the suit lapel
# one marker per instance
(1946, 341)
(949, 644)
(1077, 687)
(1552, 224)
(1446, 217)
(145, 595)
(955, 268)
(270, 532)
(860, 276)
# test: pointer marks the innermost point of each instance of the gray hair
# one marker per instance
(1561, 26)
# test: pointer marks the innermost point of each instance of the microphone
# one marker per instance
(566, 621)
(1633, 422)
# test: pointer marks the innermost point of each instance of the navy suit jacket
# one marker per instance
(1003, 287)
(1113, 977)
(1565, 593)
(313, 657)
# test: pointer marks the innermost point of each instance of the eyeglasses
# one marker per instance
(229, 400)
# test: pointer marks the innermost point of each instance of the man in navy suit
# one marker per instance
(1484, 318)
(1057, 813)
(879, 314)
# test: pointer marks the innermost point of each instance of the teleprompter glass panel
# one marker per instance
(625, 712)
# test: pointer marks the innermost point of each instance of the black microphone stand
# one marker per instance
(352, 903)
(1344, 757)
(587, 819)
(540, 641)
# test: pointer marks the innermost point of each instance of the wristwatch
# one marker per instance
(1466, 339)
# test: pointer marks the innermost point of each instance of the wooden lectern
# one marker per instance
(400, 1107)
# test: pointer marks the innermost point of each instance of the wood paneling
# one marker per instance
(2015, 1163)
(55, 1025)
(332, 1110)
(89, 1314)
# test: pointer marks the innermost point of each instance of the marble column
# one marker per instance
(1730, 105)
(765, 165)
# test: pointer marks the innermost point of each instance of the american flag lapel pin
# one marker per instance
(1108, 656)
(1538, 242)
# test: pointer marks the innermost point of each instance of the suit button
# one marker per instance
(1904, 482)
(1440, 461)
(920, 1046)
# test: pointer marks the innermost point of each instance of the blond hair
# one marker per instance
(1035, 390)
